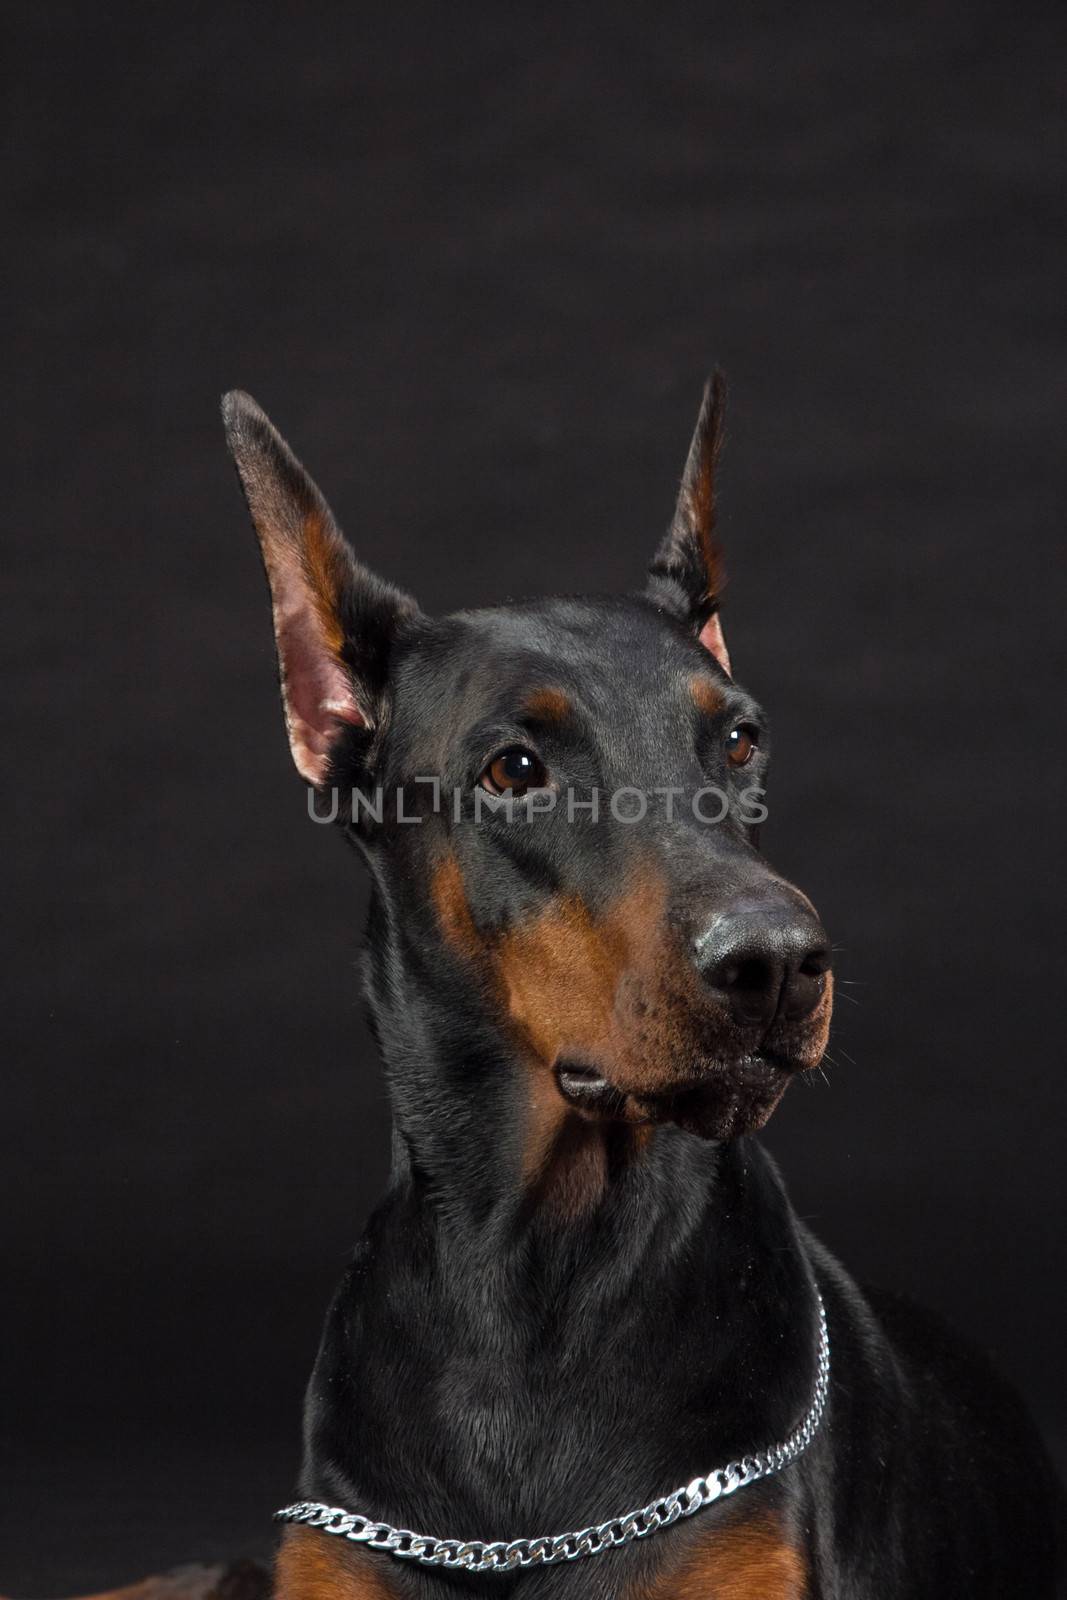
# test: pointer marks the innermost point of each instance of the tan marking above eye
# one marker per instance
(546, 705)
(707, 696)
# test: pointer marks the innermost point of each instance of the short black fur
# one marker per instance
(555, 1316)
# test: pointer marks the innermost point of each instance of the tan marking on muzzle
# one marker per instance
(561, 973)
(569, 984)
(449, 895)
(615, 986)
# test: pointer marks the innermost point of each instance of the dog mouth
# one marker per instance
(733, 1097)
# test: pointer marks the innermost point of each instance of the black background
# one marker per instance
(476, 261)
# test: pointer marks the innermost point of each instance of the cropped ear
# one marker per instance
(334, 622)
(687, 574)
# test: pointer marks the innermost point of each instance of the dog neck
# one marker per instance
(497, 1364)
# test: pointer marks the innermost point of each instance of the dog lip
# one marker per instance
(774, 1058)
(585, 1086)
(705, 1077)
(591, 1093)
(588, 1084)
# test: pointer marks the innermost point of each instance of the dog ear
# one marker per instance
(687, 574)
(334, 622)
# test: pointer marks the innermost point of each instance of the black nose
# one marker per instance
(766, 962)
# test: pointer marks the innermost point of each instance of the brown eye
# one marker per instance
(741, 745)
(514, 771)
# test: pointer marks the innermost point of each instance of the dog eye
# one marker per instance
(741, 744)
(514, 771)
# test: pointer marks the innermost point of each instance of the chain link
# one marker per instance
(546, 1550)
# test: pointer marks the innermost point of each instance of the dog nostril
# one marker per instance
(750, 982)
(816, 962)
(804, 984)
(751, 975)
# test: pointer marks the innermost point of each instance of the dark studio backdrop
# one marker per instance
(476, 262)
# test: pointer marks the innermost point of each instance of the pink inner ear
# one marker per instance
(711, 638)
(316, 688)
(318, 701)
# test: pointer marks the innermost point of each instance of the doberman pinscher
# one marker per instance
(585, 1291)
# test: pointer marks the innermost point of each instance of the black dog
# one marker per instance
(586, 1287)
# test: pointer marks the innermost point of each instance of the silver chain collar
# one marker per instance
(478, 1555)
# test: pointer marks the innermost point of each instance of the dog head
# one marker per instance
(559, 803)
